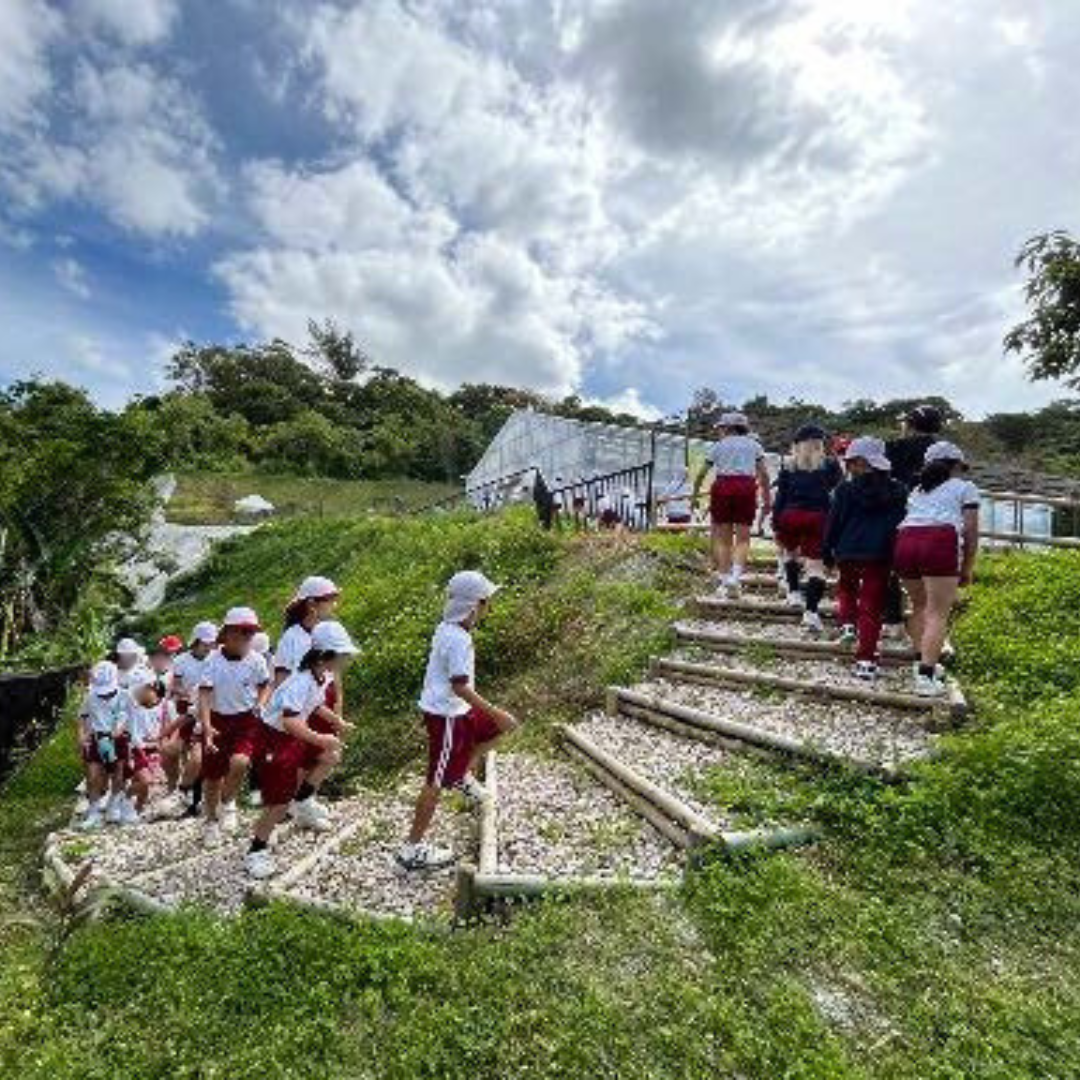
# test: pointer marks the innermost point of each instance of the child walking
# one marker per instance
(461, 725)
(803, 491)
(295, 757)
(103, 743)
(935, 553)
(181, 746)
(234, 688)
(149, 715)
(739, 473)
(859, 538)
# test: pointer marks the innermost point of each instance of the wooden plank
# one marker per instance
(489, 817)
(808, 648)
(765, 610)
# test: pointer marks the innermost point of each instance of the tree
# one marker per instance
(336, 352)
(1049, 340)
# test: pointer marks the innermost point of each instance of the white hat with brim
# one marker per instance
(128, 647)
(104, 679)
(140, 678)
(464, 592)
(733, 419)
(944, 451)
(332, 637)
(317, 588)
(871, 450)
(261, 642)
(205, 632)
(241, 618)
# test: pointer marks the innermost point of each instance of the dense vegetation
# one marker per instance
(933, 934)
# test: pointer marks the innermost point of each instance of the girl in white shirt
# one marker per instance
(148, 716)
(935, 553)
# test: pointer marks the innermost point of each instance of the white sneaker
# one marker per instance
(811, 622)
(229, 817)
(307, 816)
(721, 592)
(128, 814)
(794, 599)
(930, 686)
(866, 670)
(255, 799)
(734, 584)
(472, 789)
(260, 864)
(171, 806)
(423, 856)
(92, 821)
(113, 811)
(894, 632)
(848, 634)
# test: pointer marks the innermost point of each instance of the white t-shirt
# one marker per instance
(292, 648)
(735, 455)
(187, 675)
(299, 695)
(144, 723)
(945, 505)
(235, 683)
(104, 715)
(452, 657)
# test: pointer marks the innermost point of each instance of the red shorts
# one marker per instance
(733, 500)
(451, 741)
(282, 758)
(239, 734)
(324, 727)
(927, 551)
(91, 755)
(802, 531)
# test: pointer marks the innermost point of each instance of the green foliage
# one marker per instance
(1049, 339)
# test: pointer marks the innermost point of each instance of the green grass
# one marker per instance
(208, 498)
(933, 935)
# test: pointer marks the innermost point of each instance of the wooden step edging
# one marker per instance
(710, 675)
(758, 738)
(766, 610)
(807, 648)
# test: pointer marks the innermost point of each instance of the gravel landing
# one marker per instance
(774, 631)
(669, 761)
(849, 729)
(556, 820)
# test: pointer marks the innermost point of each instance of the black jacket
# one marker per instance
(866, 511)
(806, 489)
(906, 456)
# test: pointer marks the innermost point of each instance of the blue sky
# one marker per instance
(610, 197)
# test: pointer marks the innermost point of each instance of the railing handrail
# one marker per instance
(1064, 502)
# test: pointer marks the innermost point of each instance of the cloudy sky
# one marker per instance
(623, 198)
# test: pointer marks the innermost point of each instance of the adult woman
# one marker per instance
(935, 552)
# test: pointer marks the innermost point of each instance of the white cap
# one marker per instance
(243, 618)
(871, 450)
(104, 679)
(206, 632)
(331, 636)
(261, 642)
(128, 647)
(141, 677)
(944, 451)
(733, 419)
(464, 591)
(316, 588)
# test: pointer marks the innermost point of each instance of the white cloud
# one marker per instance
(92, 356)
(29, 29)
(133, 22)
(628, 401)
(71, 275)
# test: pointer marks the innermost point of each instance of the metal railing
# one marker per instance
(621, 499)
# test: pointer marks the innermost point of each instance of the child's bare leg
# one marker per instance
(211, 798)
(328, 759)
(426, 804)
(193, 766)
(721, 545)
(917, 591)
(269, 820)
(742, 546)
(940, 597)
(139, 789)
(96, 782)
(234, 780)
(170, 762)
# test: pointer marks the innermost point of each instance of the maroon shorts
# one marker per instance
(144, 759)
(802, 531)
(733, 500)
(91, 755)
(281, 760)
(927, 551)
(451, 741)
(238, 734)
(324, 727)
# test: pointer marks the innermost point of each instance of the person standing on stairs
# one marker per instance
(920, 428)
(859, 538)
(935, 553)
(461, 725)
(737, 462)
(803, 490)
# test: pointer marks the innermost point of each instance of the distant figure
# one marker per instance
(676, 498)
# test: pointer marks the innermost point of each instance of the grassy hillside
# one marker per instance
(205, 498)
(933, 935)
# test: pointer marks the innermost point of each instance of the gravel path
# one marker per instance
(673, 763)
(866, 732)
(554, 819)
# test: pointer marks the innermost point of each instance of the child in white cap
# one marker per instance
(935, 554)
(130, 656)
(181, 747)
(103, 744)
(234, 688)
(149, 715)
(461, 725)
(295, 757)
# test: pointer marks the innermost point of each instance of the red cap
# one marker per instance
(170, 643)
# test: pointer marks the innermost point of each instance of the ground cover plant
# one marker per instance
(933, 934)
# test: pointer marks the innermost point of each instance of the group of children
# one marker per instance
(202, 721)
(903, 513)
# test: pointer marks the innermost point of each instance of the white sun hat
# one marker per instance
(733, 419)
(317, 588)
(104, 679)
(871, 450)
(205, 632)
(241, 618)
(944, 451)
(261, 642)
(141, 677)
(128, 647)
(464, 591)
(331, 636)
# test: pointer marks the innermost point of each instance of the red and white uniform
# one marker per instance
(928, 540)
(145, 725)
(294, 645)
(733, 496)
(283, 754)
(234, 684)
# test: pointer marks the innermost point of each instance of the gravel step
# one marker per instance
(752, 607)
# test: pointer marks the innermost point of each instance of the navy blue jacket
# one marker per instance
(806, 489)
(866, 511)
